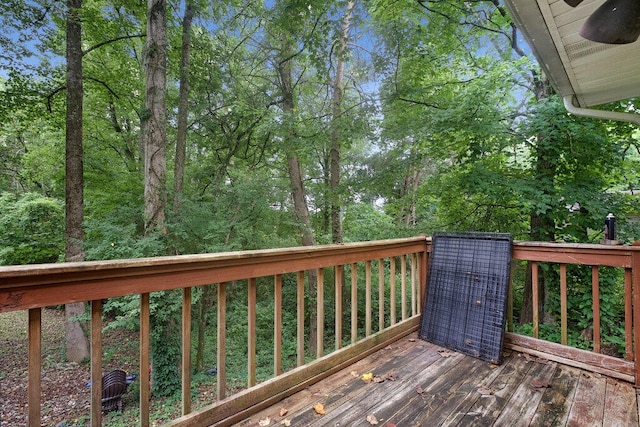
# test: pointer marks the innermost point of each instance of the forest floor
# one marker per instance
(65, 394)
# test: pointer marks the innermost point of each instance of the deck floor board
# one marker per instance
(427, 385)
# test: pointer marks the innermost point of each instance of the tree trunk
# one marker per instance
(77, 345)
(183, 109)
(155, 117)
(334, 155)
(301, 209)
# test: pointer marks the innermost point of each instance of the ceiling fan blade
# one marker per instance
(573, 3)
(615, 22)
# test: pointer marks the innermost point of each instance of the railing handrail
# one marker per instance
(40, 285)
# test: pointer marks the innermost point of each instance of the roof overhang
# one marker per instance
(594, 73)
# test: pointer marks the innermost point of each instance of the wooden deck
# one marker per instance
(417, 383)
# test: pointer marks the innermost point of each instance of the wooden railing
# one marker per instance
(557, 257)
(401, 269)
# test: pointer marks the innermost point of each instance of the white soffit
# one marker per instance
(595, 73)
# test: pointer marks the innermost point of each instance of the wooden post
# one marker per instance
(320, 314)
(96, 363)
(145, 372)
(595, 292)
(354, 303)
(636, 313)
(277, 325)
(251, 335)
(534, 297)
(339, 272)
(300, 316)
(186, 351)
(35, 366)
(392, 290)
(563, 305)
(628, 314)
(221, 384)
(367, 297)
(380, 294)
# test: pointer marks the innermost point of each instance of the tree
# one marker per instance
(183, 107)
(154, 118)
(77, 343)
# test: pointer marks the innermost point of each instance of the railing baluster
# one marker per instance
(186, 351)
(403, 285)
(35, 365)
(145, 380)
(367, 297)
(380, 295)
(392, 290)
(510, 298)
(354, 303)
(221, 351)
(628, 314)
(251, 335)
(563, 304)
(414, 277)
(595, 292)
(300, 317)
(96, 363)
(534, 298)
(635, 263)
(277, 325)
(339, 273)
(320, 313)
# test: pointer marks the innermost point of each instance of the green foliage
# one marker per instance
(33, 229)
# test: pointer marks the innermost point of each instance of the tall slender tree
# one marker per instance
(77, 346)
(154, 117)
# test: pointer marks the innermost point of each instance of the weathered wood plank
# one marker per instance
(620, 405)
(553, 409)
(335, 384)
(361, 398)
(601, 363)
(443, 397)
(458, 390)
(588, 403)
(490, 401)
(521, 408)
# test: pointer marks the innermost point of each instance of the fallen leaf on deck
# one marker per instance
(372, 420)
(390, 425)
(354, 374)
(485, 391)
(419, 390)
(319, 408)
(264, 422)
(367, 377)
(535, 384)
(390, 377)
(412, 340)
(446, 353)
(286, 422)
(377, 379)
(283, 412)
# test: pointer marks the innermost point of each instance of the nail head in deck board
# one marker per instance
(588, 403)
(553, 409)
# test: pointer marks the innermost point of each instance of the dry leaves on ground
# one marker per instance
(371, 419)
(319, 408)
